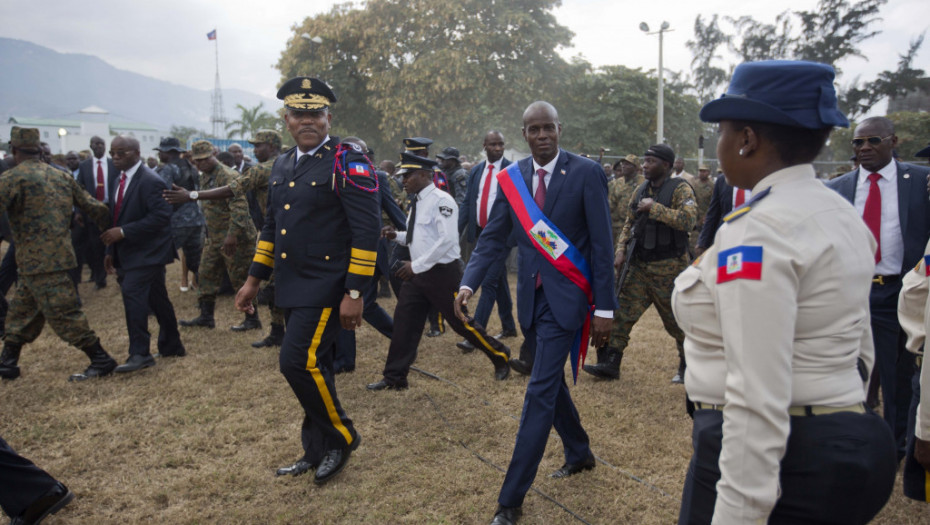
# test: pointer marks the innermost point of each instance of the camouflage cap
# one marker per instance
(201, 149)
(266, 136)
(632, 159)
(27, 138)
(703, 167)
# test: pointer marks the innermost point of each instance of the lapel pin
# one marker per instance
(907, 175)
(563, 172)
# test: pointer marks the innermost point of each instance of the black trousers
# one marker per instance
(306, 361)
(433, 289)
(21, 482)
(94, 254)
(143, 290)
(838, 468)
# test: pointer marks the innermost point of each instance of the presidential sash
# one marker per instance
(554, 247)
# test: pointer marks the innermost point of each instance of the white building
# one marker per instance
(65, 135)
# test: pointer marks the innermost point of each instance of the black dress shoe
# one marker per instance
(501, 371)
(384, 385)
(180, 353)
(433, 333)
(135, 362)
(53, 501)
(507, 515)
(521, 367)
(334, 461)
(299, 467)
(570, 469)
(505, 334)
(465, 347)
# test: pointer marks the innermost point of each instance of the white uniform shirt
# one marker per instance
(790, 337)
(436, 234)
(915, 320)
(892, 243)
(492, 191)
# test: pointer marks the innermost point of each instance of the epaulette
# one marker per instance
(744, 209)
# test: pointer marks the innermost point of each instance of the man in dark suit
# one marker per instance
(139, 245)
(97, 174)
(891, 196)
(28, 494)
(482, 189)
(571, 193)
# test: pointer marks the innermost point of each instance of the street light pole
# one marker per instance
(660, 99)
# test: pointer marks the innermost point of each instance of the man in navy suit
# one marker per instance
(901, 225)
(721, 203)
(139, 245)
(571, 192)
(97, 174)
(473, 217)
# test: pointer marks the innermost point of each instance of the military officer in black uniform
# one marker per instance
(320, 237)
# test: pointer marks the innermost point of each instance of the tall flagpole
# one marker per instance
(218, 117)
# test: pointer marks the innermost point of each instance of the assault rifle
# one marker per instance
(638, 224)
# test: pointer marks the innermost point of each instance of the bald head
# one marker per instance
(540, 107)
(125, 152)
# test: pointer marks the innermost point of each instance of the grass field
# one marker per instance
(196, 440)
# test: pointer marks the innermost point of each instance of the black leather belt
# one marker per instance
(885, 279)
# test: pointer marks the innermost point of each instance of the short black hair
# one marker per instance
(794, 145)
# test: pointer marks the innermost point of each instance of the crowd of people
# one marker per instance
(786, 296)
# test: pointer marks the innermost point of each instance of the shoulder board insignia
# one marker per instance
(744, 209)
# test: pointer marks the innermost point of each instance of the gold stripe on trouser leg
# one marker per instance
(484, 341)
(927, 486)
(442, 328)
(320, 380)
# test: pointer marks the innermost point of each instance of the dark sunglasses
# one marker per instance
(874, 141)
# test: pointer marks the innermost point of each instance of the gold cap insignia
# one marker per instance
(306, 101)
(306, 84)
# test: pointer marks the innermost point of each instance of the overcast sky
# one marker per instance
(167, 39)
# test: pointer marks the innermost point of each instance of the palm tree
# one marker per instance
(250, 121)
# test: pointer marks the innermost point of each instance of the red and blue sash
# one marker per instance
(554, 247)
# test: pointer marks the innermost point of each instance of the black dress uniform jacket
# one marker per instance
(321, 232)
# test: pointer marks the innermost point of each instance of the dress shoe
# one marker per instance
(679, 378)
(521, 367)
(501, 370)
(570, 469)
(465, 347)
(507, 515)
(135, 362)
(299, 467)
(334, 461)
(275, 338)
(504, 334)
(433, 333)
(53, 501)
(180, 353)
(384, 385)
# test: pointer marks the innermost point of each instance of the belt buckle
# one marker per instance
(879, 279)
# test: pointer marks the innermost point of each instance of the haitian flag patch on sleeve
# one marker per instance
(742, 262)
(359, 169)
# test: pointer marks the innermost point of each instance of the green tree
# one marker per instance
(706, 75)
(184, 133)
(835, 29)
(446, 69)
(761, 41)
(250, 121)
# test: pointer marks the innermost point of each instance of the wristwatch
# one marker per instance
(193, 195)
(354, 294)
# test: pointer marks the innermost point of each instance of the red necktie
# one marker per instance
(872, 214)
(483, 207)
(100, 187)
(119, 195)
(540, 198)
(740, 198)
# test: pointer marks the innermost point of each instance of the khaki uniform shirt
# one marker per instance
(915, 320)
(786, 331)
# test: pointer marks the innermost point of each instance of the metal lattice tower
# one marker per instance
(217, 116)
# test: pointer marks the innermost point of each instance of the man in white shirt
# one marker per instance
(431, 276)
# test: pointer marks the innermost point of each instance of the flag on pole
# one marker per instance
(211, 35)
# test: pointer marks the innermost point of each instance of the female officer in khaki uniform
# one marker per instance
(777, 322)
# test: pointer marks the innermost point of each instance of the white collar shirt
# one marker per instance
(550, 167)
(129, 175)
(892, 242)
(311, 152)
(435, 234)
(492, 191)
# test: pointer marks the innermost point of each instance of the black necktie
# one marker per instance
(412, 222)
(302, 160)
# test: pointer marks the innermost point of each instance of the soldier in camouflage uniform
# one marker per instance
(38, 200)
(664, 211)
(186, 221)
(620, 190)
(230, 238)
(703, 190)
(267, 148)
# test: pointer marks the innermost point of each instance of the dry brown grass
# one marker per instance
(196, 440)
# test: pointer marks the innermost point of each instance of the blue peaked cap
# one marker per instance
(786, 92)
